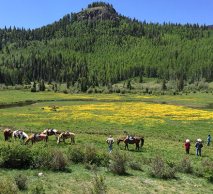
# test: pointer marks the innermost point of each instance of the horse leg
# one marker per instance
(137, 146)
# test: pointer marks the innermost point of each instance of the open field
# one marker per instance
(164, 121)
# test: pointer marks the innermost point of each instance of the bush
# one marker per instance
(75, 154)
(21, 181)
(160, 169)
(7, 186)
(58, 162)
(41, 156)
(91, 156)
(49, 159)
(185, 166)
(118, 163)
(15, 156)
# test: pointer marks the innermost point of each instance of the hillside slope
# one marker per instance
(97, 46)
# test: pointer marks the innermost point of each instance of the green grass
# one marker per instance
(164, 139)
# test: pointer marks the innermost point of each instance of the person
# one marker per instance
(208, 140)
(110, 142)
(187, 146)
(198, 146)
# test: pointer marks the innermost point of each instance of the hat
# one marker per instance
(199, 140)
(187, 140)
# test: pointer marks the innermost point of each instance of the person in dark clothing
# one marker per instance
(198, 146)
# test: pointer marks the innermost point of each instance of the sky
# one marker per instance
(37, 13)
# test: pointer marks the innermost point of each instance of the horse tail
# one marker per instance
(118, 141)
(27, 140)
(142, 141)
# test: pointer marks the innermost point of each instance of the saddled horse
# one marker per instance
(66, 135)
(134, 140)
(36, 137)
(19, 134)
(7, 134)
(50, 132)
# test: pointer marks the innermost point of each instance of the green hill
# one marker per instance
(98, 46)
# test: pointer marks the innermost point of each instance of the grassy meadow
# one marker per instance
(164, 121)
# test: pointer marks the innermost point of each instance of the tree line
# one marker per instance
(103, 52)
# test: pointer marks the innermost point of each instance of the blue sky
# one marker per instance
(36, 13)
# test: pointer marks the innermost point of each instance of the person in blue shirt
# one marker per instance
(208, 140)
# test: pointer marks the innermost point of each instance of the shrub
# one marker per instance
(160, 169)
(58, 162)
(7, 186)
(41, 156)
(91, 155)
(185, 166)
(21, 181)
(118, 163)
(15, 156)
(49, 158)
(75, 154)
(210, 178)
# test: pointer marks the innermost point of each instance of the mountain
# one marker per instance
(98, 46)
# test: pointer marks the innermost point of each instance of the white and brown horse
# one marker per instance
(19, 134)
(50, 132)
(36, 137)
(66, 135)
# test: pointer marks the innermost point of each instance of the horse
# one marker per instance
(66, 135)
(36, 137)
(50, 132)
(19, 134)
(7, 134)
(134, 140)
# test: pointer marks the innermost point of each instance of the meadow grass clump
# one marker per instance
(160, 169)
(37, 188)
(14, 155)
(118, 163)
(21, 181)
(185, 166)
(7, 186)
(135, 165)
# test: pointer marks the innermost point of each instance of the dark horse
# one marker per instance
(7, 134)
(134, 140)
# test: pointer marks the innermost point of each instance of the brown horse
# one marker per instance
(134, 140)
(7, 134)
(66, 135)
(36, 137)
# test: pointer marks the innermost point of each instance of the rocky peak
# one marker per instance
(98, 11)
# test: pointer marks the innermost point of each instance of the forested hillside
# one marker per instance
(97, 46)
